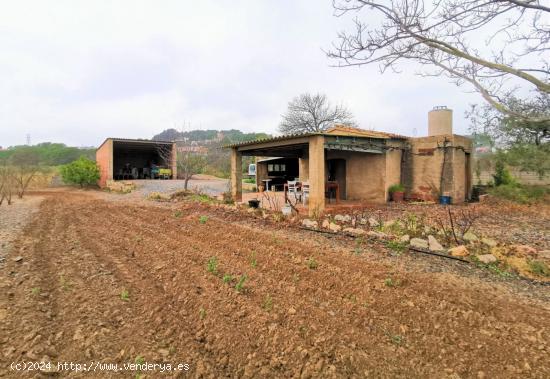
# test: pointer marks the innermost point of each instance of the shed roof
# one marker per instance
(130, 140)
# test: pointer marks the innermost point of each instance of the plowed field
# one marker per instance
(104, 281)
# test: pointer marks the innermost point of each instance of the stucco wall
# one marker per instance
(104, 159)
(365, 175)
(426, 165)
(393, 169)
(303, 169)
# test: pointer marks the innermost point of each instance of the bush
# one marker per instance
(519, 193)
(83, 172)
(502, 176)
(396, 188)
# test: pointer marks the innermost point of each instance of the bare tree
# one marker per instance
(443, 37)
(7, 183)
(25, 167)
(189, 164)
(313, 113)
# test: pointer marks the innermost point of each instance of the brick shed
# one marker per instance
(135, 159)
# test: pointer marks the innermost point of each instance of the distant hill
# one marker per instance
(48, 153)
(225, 136)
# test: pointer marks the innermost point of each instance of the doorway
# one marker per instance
(336, 172)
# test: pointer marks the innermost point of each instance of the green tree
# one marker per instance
(523, 144)
(82, 171)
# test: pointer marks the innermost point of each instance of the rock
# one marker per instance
(405, 239)
(489, 242)
(459, 251)
(522, 251)
(18, 259)
(309, 223)
(434, 245)
(544, 254)
(363, 221)
(419, 243)
(342, 218)
(373, 223)
(354, 232)
(326, 224)
(291, 311)
(487, 258)
(334, 227)
(373, 233)
(164, 352)
(470, 237)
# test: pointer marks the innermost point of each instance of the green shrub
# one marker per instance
(83, 172)
(396, 188)
(519, 193)
(502, 176)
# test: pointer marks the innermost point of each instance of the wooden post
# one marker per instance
(316, 175)
(236, 175)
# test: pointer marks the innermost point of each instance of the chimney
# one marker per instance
(440, 121)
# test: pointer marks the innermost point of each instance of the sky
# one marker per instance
(78, 72)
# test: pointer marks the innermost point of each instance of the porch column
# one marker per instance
(316, 175)
(236, 175)
(174, 162)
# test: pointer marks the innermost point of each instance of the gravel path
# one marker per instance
(212, 187)
(13, 218)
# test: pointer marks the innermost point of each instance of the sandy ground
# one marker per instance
(107, 281)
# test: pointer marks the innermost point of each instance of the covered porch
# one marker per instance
(352, 169)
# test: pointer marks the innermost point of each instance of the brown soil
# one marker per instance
(350, 316)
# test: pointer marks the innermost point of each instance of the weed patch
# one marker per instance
(212, 265)
(252, 260)
(396, 246)
(390, 282)
(125, 295)
(227, 278)
(539, 268)
(240, 284)
(312, 263)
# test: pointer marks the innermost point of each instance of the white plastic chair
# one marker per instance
(305, 191)
(293, 189)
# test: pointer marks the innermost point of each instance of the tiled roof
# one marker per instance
(337, 130)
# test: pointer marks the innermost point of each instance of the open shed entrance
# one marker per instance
(277, 170)
(141, 160)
